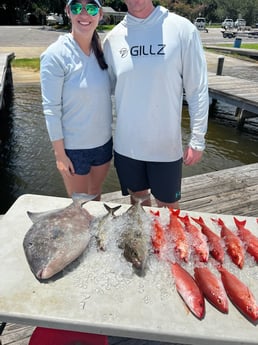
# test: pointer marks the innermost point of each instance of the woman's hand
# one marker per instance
(64, 165)
(63, 162)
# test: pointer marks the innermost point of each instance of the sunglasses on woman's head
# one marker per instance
(92, 9)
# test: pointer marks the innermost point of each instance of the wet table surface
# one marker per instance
(100, 293)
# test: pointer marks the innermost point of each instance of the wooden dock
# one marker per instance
(241, 93)
(5, 74)
(230, 191)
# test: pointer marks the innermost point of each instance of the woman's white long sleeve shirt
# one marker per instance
(75, 95)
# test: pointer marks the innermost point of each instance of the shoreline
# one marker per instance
(25, 76)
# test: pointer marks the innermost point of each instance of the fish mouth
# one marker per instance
(44, 273)
(139, 271)
(39, 274)
(139, 267)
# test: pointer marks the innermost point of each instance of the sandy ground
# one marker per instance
(22, 75)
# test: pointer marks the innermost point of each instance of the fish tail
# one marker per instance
(82, 198)
(157, 214)
(239, 223)
(199, 221)
(139, 199)
(174, 212)
(111, 210)
(218, 221)
(184, 219)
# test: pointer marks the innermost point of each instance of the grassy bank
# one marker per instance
(243, 45)
(33, 63)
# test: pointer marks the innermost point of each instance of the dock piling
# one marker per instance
(219, 72)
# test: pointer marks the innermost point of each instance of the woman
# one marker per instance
(76, 101)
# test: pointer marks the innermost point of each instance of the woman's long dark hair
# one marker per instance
(98, 51)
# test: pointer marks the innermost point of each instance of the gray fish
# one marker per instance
(57, 237)
(135, 241)
(102, 223)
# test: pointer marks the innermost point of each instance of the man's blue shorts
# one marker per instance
(84, 159)
(162, 178)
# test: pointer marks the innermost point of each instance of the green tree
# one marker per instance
(12, 11)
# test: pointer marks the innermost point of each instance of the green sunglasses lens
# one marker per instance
(91, 9)
(76, 8)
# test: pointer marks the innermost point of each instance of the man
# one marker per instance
(152, 56)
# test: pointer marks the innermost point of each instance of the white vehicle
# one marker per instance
(227, 23)
(200, 23)
(240, 23)
(53, 19)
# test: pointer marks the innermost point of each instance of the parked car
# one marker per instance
(54, 18)
(200, 23)
(240, 23)
(227, 23)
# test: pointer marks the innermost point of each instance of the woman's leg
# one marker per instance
(97, 176)
(90, 183)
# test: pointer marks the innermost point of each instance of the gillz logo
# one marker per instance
(151, 50)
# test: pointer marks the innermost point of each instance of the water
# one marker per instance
(27, 162)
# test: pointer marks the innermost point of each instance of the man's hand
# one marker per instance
(191, 156)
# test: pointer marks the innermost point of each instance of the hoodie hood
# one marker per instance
(158, 14)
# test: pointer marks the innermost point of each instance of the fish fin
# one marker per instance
(82, 198)
(137, 199)
(239, 223)
(36, 216)
(112, 210)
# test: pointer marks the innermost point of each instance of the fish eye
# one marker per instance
(219, 300)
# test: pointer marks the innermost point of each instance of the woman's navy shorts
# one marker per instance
(162, 178)
(84, 159)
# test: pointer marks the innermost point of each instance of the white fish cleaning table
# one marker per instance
(95, 295)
